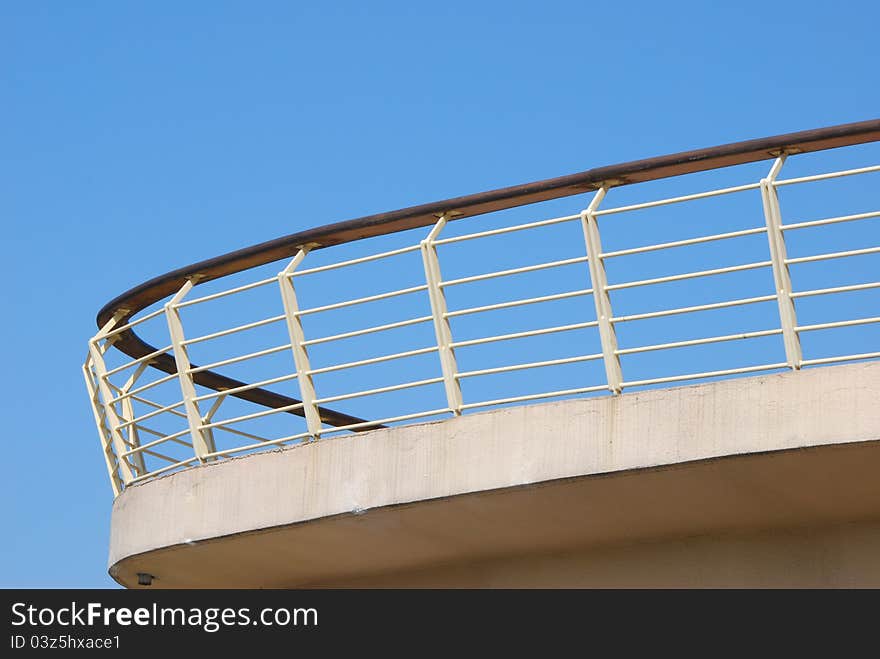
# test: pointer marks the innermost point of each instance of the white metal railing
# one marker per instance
(135, 450)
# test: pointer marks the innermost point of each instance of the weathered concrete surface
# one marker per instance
(458, 490)
(838, 556)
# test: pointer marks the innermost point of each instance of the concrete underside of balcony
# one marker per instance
(760, 481)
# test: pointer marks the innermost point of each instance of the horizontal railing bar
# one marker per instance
(239, 432)
(518, 303)
(242, 433)
(171, 438)
(233, 330)
(246, 387)
(706, 374)
(690, 275)
(517, 227)
(676, 200)
(155, 442)
(836, 324)
(522, 335)
(683, 243)
(550, 394)
(374, 360)
(836, 289)
(141, 389)
(697, 342)
(518, 367)
(161, 456)
(830, 220)
(362, 259)
(268, 442)
(513, 271)
(842, 358)
(134, 323)
(225, 428)
(363, 300)
(157, 472)
(254, 415)
(188, 444)
(368, 330)
(231, 291)
(392, 419)
(380, 390)
(150, 415)
(156, 433)
(157, 405)
(141, 449)
(832, 255)
(692, 309)
(139, 360)
(820, 177)
(240, 358)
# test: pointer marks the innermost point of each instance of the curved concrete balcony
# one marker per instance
(717, 484)
(371, 413)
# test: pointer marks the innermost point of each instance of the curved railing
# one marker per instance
(729, 249)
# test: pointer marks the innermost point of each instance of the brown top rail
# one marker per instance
(650, 169)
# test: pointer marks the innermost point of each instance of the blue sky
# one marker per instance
(137, 137)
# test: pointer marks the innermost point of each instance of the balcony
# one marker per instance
(416, 361)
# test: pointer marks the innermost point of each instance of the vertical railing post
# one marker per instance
(297, 345)
(103, 430)
(442, 328)
(134, 440)
(110, 416)
(209, 416)
(781, 274)
(203, 443)
(599, 279)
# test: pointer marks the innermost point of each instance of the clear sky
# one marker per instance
(137, 137)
